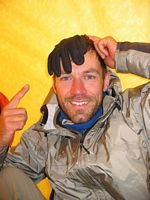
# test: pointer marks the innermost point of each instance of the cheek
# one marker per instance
(61, 94)
(59, 89)
(95, 89)
(97, 94)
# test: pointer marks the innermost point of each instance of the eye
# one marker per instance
(89, 77)
(65, 78)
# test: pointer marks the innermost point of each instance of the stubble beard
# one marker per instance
(80, 115)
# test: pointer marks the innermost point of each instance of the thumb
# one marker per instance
(17, 98)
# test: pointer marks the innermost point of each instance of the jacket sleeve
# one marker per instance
(136, 112)
(133, 58)
(30, 155)
(3, 153)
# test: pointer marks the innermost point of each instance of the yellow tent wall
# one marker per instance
(29, 29)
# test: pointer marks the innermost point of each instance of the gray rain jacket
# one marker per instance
(112, 161)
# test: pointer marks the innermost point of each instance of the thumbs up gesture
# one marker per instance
(12, 118)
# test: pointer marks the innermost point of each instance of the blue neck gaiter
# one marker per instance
(80, 127)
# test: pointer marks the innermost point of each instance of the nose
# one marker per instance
(78, 87)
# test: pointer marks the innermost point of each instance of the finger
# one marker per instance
(15, 126)
(50, 69)
(103, 56)
(102, 48)
(77, 52)
(82, 46)
(66, 60)
(55, 63)
(17, 98)
(13, 112)
(17, 118)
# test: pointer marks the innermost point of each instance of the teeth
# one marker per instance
(79, 103)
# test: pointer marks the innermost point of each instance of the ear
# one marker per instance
(106, 81)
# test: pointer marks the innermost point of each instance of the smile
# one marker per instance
(79, 103)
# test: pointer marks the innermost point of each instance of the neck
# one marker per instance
(80, 127)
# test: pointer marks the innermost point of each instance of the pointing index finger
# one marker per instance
(17, 98)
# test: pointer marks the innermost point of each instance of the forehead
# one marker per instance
(91, 63)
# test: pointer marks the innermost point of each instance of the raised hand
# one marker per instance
(12, 118)
(106, 48)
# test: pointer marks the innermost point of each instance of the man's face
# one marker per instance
(80, 93)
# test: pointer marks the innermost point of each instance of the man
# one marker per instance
(93, 143)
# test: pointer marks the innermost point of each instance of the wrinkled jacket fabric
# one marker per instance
(112, 160)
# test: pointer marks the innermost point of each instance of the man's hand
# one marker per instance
(106, 48)
(12, 118)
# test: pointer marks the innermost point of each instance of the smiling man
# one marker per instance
(80, 92)
(93, 142)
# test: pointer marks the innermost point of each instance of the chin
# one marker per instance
(80, 119)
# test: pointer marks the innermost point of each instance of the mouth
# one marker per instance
(79, 103)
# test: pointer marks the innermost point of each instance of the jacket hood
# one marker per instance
(50, 108)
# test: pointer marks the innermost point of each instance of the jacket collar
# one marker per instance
(111, 101)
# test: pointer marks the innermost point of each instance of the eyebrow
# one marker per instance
(64, 74)
(91, 71)
(84, 72)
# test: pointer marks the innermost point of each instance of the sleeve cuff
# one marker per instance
(3, 153)
(121, 61)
